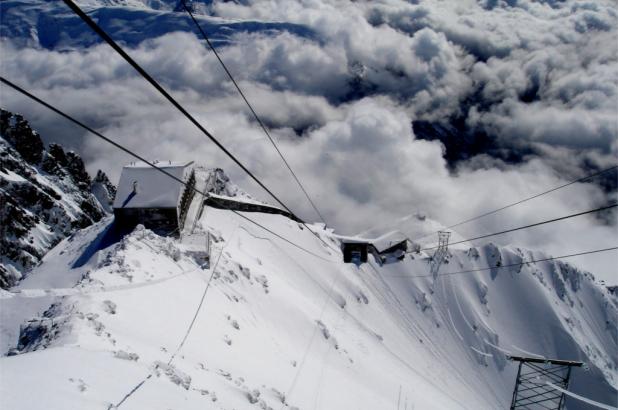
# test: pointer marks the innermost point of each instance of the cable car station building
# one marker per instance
(149, 197)
(387, 248)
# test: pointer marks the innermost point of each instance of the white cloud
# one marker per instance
(540, 77)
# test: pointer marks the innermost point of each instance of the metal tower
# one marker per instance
(440, 253)
(537, 379)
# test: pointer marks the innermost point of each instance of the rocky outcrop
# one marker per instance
(45, 196)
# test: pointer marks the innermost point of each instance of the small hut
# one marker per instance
(149, 197)
(390, 247)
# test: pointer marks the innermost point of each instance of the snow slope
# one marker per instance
(282, 327)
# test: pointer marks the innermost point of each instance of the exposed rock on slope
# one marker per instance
(45, 196)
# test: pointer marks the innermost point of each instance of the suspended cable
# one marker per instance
(509, 265)
(581, 398)
(133, 154)
(523, 200)
(528, 226)
(257, 118)
(187, 331)
(199, 306)
(95, 27)
(175, 103)
(137, 156)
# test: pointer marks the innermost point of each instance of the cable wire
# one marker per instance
(581, 398)
(137, 156)
(523, 200)
(98, 30)
(257, 118)
(187, 332)
(199, 306)
(527, 226)
(509, 265)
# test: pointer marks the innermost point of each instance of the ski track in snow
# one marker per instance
(463, 316)
(472, 347)
(453, 324)
(461, 312)
(540, 356)
(506, 352)
(328, 294)
(410, 324)
(480, 352)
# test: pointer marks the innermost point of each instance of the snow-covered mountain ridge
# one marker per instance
(52, 25)
(284, 327)
(46, 195)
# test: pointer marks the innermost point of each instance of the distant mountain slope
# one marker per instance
(45, 195)
(53, 25)
(289, 328)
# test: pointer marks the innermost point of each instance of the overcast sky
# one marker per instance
(539, 77)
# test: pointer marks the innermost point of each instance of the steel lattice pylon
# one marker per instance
(532, 386)
(441, 252)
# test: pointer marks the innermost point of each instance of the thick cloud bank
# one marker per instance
(537, 82)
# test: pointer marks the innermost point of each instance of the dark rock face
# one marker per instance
(44, 196)
(18, 133)
(59, 163)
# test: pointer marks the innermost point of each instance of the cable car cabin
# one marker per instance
(147, 196)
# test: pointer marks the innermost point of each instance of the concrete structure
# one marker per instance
(245, 205)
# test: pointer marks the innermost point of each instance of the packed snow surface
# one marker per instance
(124, 322)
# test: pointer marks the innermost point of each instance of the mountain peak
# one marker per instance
(46, 196)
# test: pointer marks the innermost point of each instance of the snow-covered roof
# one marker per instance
(387, 240)
(352, 239)
(142, 186)
(381, 243)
